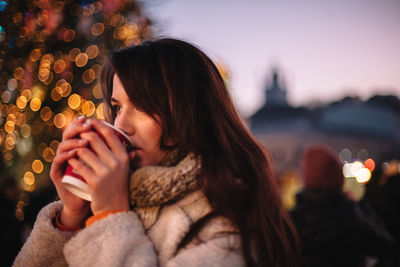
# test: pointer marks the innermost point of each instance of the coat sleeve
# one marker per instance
(117, 240)
(120, 240)
(45, 244)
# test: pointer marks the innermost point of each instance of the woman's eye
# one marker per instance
(115, 108)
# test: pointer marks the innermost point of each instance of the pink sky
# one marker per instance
(324, 49)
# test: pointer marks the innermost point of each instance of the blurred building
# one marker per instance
(368, 129)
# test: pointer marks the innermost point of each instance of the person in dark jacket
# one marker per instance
(333, 229)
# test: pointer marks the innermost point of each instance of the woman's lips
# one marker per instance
(132, 153)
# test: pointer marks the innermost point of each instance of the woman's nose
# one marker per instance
(122, 123)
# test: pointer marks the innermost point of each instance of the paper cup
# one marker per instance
(75, 183)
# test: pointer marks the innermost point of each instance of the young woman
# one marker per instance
(196, 191)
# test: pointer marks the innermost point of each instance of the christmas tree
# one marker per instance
(51, 53)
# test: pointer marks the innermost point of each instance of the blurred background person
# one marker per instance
(334, 230)
(383, 195)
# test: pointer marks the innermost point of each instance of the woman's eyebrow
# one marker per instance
(114, 100)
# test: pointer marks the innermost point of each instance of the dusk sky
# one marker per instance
(324, 50)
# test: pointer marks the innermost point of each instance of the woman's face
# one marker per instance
(143, 130)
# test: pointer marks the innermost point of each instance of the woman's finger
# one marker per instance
(71, 144)
(74, 129)
(98, 146)
(56, 171)
(92, 161)
(83, 169)
(108, 135)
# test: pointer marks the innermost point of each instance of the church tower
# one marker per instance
(275, 93)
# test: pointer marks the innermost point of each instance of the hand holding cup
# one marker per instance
(75, 209)
(104, 166)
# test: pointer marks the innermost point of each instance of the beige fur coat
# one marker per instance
(121, 240)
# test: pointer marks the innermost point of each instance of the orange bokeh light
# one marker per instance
(369, 164)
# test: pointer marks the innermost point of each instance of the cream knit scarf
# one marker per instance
(153, 186)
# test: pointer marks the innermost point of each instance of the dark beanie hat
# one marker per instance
(321, 168)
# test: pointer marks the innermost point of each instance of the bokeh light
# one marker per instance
(12, 117)
(11, 111)
(9, 126)
(369, 164)
(97, 92)
(21, 119)
(81, 59)
(29, 178)
(21, 102)
(59, 66)
(59, 120)
(46, 113)
(362, 154)
(25, 130)
(68, 76)
(48, 154)
(73, 53)
(28, 181)
(100, 111)
(92, 51)
(74, 101)
(6, 96)
(69, 35)
(355, 167)
(19, 214)
(55, 93)
(88, 76)
(27, 94)
(88, 108)
(117, 20)
(19, 73)
(54, 145)
(65, 89)
(363, 176)
(35, 54)
(35, 104)
(12, 84)
(97, 29)
(120, 33)
(37, 166)
(357, 170)
(345, 155)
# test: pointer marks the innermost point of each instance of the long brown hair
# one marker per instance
(178, 82)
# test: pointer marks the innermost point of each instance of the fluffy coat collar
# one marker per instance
(151, 187)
